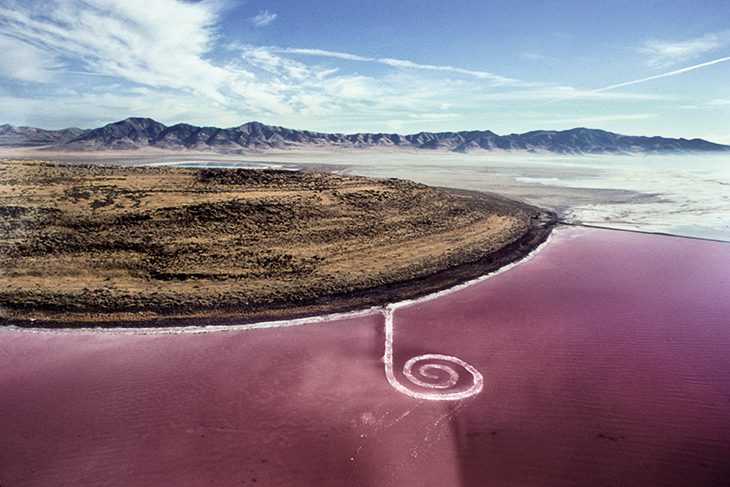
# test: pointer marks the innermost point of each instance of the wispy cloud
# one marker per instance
(96, 60)
(263, 18)
(320, 52)
(25, 62)
(400, 63)
(122, 46)
(719, 102)
(663, 54)
(130, 39)
(269, 61)
(434, 116)
(599, 119)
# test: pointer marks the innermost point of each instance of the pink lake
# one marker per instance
(605, 360)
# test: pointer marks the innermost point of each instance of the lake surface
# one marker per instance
(604, 359)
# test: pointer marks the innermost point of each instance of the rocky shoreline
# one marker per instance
(87, 246)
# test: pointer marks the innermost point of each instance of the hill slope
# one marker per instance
(119, 244)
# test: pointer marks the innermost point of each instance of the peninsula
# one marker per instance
(91, 245)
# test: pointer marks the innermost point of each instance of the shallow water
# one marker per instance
(606, 361)
(605, 358)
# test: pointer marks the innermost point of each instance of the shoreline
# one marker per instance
(339, 303)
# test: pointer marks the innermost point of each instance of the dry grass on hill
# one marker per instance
(111, 243)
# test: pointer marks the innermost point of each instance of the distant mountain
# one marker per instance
(135, 133)
(28, 136)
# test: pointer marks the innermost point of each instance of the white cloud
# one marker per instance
(434, 116)
(400, 63)
(268, 61)
(101, 60)
(663, 54)
(263, 18)
(601, 119)
(320, 52)
(352, 88)
(719, 102)
(313, 88)
(158, 43)
(25, 62)
(151, 52)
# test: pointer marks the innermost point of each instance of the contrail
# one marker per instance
(672, 73)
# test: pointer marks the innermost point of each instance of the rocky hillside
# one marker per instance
(134, 133)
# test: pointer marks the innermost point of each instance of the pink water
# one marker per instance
(605, 357)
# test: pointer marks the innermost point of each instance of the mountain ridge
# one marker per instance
(137, 132)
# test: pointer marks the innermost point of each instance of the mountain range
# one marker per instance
(135, 133)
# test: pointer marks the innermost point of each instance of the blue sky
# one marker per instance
(639, 67)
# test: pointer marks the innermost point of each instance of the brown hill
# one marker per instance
(133, 245)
